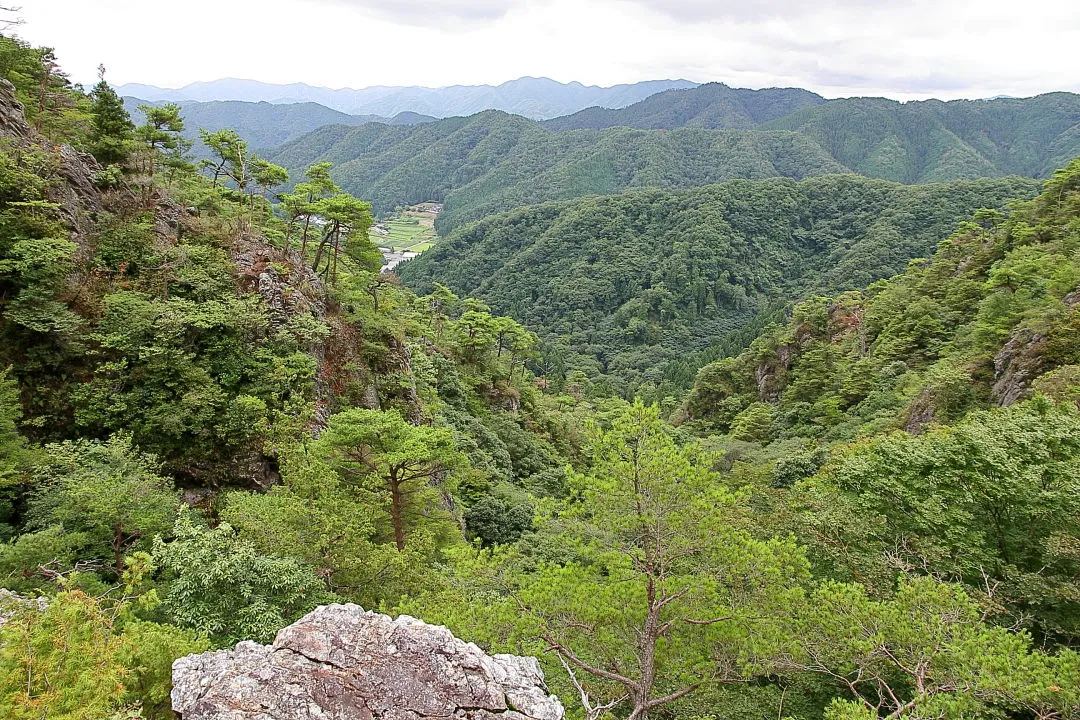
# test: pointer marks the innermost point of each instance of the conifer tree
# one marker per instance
(113, 130)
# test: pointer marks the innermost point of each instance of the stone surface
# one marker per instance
(78, 195)
(341, 662)
(12, 603)
(1017, 365)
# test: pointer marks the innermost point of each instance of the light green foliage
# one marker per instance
(231, 157)
(332, 525)
(220, 585)
(379, 452)
(148, 652)
(107, 493)
(63, 663)
(11, 442)
(52, 105)
(35, 257)
(927, 652)
(991, 497)
(658, 588)
(161, 133)
(87, 658)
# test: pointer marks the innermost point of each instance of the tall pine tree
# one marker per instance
(113, 129)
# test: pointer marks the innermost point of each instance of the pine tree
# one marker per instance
(113, 129)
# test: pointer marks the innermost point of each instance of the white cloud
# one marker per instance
(912, 49)
(456, 13)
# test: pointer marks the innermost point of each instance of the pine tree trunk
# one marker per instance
(397, 511)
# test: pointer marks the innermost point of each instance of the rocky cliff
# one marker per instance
(341, 662)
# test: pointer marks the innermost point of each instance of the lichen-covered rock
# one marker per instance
(341, 662)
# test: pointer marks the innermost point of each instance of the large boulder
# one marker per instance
(341, 662)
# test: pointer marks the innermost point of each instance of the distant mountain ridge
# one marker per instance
(535, 98)
(713, 105)
(933, 140)
(266, 125)
(492, 162)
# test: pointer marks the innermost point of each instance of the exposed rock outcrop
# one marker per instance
(1017, 365)
(77, 194)
(12, 603)
(341, 662)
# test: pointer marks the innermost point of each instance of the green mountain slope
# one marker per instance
(492, 162)
(991, 316)
(714, 105)
(621, 286)
(932, 140)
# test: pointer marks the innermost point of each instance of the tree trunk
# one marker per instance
(337, 249)
(118, 547)
(397, 511)
(303, 242)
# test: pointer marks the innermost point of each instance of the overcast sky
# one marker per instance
(904, 50)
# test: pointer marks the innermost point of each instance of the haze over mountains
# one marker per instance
(537, 98)
(266, 125)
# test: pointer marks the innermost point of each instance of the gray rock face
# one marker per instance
(341, 662)
(12, 604)
(78, 194)
(1017, 364)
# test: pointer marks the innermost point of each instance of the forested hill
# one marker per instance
(217, 413)
(266, 125)
(931, 140)
(491, 162)
(988, 320)
(622, 288)
(713, 105)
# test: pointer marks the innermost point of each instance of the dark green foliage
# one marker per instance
(498, 521)
(491, 162)
(713, 105)
(113, 129)
(631, 283)
(932, 141)
(974, 326)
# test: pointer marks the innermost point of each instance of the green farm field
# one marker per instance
(411, 230)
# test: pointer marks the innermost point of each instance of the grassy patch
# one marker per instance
(409, 230)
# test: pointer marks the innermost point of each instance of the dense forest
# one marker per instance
(713, 105)
(492, 162)
(216, 414)
(931, 140)
(622, 288)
